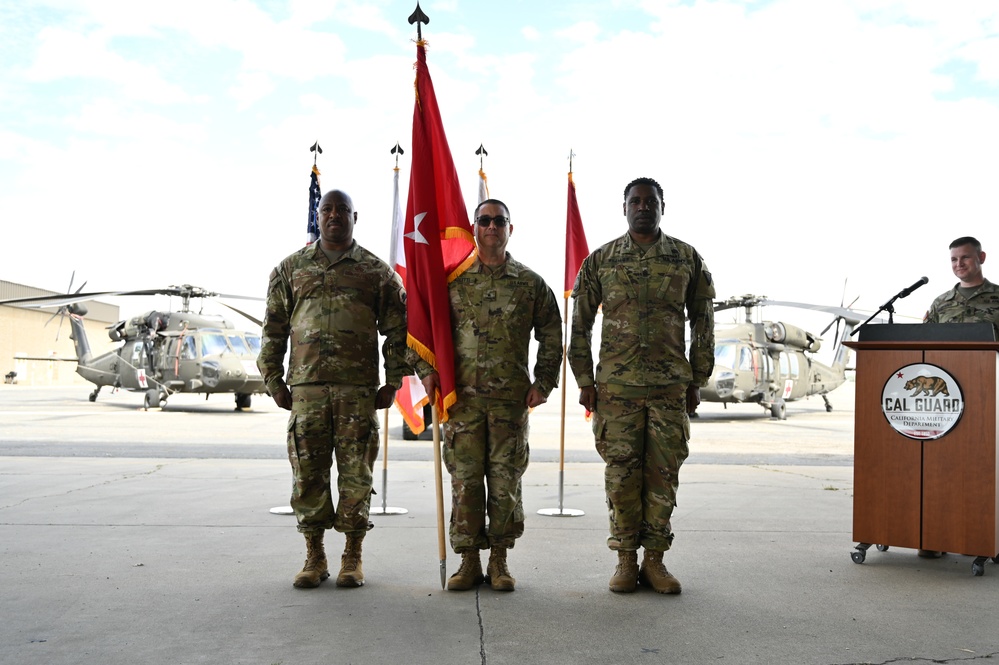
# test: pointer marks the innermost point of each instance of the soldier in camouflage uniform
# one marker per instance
(644, 385)
(973, 299)
(495, 306)
(332, 299)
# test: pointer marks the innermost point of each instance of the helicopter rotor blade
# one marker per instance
(847, 314)
(241, 312)
(238, 297)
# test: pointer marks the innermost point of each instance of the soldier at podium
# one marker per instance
(973, 299)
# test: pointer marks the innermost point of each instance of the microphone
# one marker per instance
(906, 291)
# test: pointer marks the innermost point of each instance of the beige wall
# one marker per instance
(23, 332)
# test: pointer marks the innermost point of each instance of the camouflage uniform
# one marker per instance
(485, 437)
(333, 313)
(640, 424)
(952, 307)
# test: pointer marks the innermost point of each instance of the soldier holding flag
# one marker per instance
(496, 305)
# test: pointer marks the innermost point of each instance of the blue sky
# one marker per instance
(800, 143)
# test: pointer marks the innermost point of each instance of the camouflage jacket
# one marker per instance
(643, 299)
(333, 313)
(492, 317)
(952, 307)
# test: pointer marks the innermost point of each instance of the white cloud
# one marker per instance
(584, 32)
(64, 54)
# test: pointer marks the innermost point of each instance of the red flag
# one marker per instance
(575, 240)
(438, 238)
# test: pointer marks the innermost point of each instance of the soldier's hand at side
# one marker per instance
(693, 398)
(588, 398)
(535, 398)
(432, 384)
(283, 398)
(384, 398)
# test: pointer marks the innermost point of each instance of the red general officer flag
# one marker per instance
(575, 239)
(438, 238)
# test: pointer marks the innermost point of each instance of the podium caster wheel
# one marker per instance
(995, 559)
(978, 569)
(858, 556)
(882, 548)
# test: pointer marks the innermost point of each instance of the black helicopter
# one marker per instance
(165, 352)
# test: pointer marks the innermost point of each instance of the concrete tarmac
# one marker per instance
(146, 537)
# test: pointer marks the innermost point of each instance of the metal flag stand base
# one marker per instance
(386, 510)
(560, 511)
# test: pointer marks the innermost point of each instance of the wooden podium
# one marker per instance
(936, 494)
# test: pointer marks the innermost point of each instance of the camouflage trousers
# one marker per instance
(641, 434)
(486, 453)
(328, 420)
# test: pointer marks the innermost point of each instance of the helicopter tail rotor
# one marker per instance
(61, 312)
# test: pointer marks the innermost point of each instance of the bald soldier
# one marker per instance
(332, 299)
(645, 382)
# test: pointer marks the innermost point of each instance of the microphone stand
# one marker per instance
(887, 307)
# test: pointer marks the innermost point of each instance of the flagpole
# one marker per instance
(571, 206)
(386, 509)
(311, 236)
(438, 474)
(561, 511)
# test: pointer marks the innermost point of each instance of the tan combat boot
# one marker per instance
(497, 573)
(469, 572)
(654, 575)
(316, 570)
(625, 577)
(351, 573)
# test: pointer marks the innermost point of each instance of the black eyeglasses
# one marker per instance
(485, 220)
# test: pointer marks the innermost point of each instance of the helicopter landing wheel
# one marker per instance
(243, 401)
(92, 396)
(778, 410)
(151, 400)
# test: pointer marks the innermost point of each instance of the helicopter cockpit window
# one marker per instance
(725, 355)
(745, 359)
(212, 344)
(189, 351)
(238, 344)
(794, 365)
(254, 342)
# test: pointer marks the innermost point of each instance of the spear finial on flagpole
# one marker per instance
(481, 152)
(571, 155)
(316, 150)
(397, 150)
(419, 17)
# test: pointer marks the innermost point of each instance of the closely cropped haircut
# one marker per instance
(966, 240)
(494, 201)
(644, 181)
